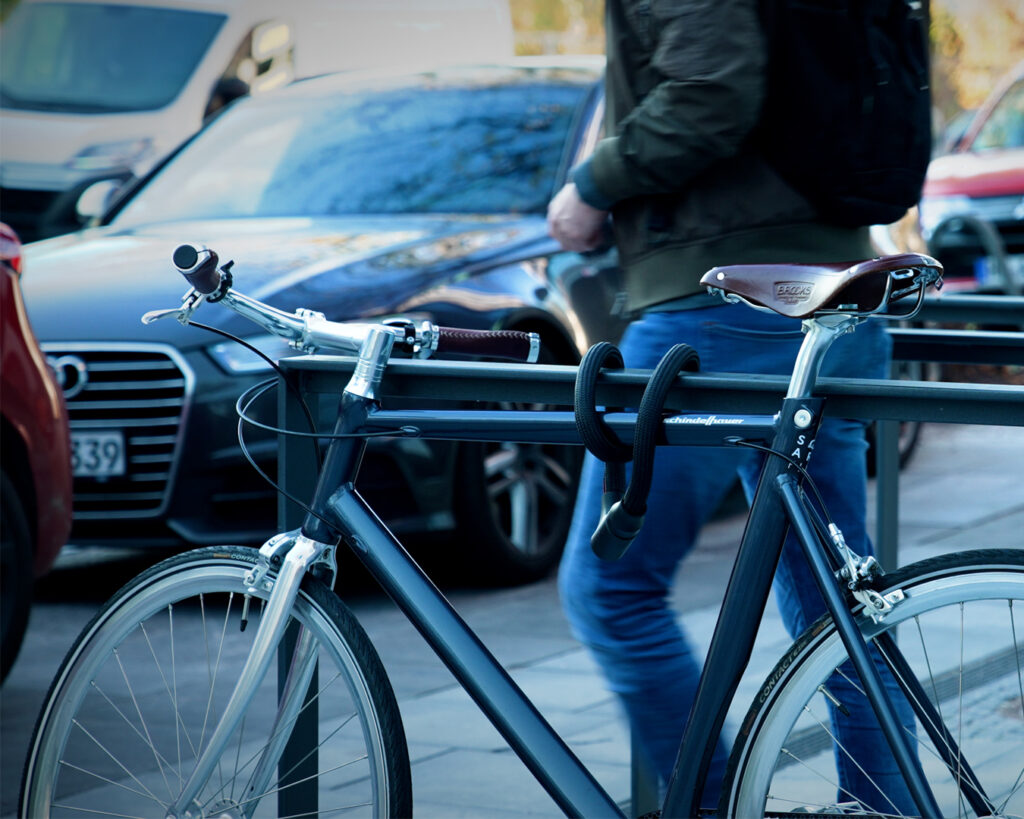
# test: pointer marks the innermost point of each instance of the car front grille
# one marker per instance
(141, 391)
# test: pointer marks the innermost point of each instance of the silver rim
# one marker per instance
(140, 695)
(522, 481)
(964, 637)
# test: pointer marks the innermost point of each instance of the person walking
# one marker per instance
(689, 185)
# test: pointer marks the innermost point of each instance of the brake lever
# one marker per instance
(189, 304)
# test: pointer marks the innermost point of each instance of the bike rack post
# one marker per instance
(299, 759)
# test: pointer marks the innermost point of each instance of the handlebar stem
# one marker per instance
(373, 359)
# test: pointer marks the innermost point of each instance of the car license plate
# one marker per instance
(987, 271)
(97, 454)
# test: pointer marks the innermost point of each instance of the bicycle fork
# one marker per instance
(302, 552)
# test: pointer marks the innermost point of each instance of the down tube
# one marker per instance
(543, 752)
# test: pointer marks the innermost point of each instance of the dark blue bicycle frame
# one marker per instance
(545, 754)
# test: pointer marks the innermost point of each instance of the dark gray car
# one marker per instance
(358, 196)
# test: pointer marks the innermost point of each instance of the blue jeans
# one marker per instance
(620, 609)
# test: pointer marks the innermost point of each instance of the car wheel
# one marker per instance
(513, 504)
(513, 507)
(15, 573)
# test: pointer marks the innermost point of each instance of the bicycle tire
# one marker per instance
(140, 690)
(783, 760)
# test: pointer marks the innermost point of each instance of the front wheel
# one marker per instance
(961, 629)
(140, 693)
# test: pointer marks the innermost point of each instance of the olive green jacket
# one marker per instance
(680, 169)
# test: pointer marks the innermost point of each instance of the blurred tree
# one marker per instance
(5, 8)
(558, 26)
(974, 42)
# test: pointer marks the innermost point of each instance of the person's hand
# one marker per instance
(573, 223)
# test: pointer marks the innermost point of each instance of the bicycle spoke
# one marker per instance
(79, 809)
(319, 745)
(174, 703)
(839, 746)
(159, 758)
(148, 736)
(1019, 782)
(115, 760)
(832, 782)
(147, 794)
(302, 781)
(213, 673)
(289, 726)
(174, 684)
(332, 812)
(965, 778)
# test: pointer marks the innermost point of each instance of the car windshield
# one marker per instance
(96, 58)
(480, 148)
(1004, 127)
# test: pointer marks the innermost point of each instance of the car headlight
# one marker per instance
(106, 156)
(235, 359)
(936, 208)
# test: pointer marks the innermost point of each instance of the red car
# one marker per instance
(35, 457)
(972, 209)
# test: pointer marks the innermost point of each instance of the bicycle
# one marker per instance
(323, 735)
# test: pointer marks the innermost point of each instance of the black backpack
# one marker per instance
(847, 114)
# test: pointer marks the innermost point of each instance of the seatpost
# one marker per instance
(819, 333)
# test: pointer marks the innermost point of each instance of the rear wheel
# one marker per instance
(961, 629)
(140, 692)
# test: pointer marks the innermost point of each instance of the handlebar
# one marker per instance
(310, 331)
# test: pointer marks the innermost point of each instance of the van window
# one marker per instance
(95, 58)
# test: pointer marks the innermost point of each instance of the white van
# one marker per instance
(93, 89)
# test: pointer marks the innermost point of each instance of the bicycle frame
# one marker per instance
(339, 512)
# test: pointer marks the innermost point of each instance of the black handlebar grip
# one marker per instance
(510, 344)
(199, 267)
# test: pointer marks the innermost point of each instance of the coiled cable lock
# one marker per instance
(623, 506)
